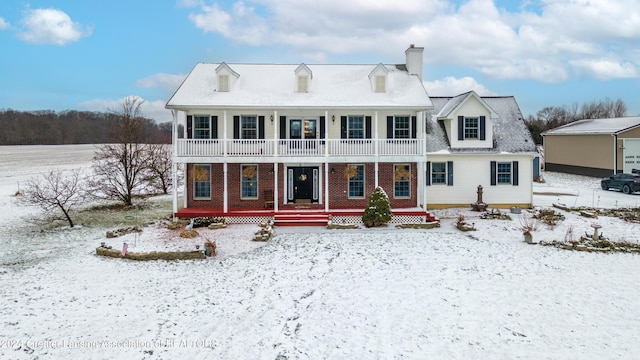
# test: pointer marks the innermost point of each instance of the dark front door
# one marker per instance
(302, 179)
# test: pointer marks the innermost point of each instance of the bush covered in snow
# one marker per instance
(378, 210)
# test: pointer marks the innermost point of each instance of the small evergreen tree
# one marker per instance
(378, 211)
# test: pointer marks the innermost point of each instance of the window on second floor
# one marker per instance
(248, 127)
(201, 127)
(471, 128)
(402, 127)
(355, 127)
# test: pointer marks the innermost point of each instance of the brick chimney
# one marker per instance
(414, 60)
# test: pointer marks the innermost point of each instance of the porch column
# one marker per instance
(225, 193)
(326, 133)
(275, 187)
(326, 186)
(376, 173)
(419, 182)
(276, 123)
(224, 134)
(375, 135)
(174, 166)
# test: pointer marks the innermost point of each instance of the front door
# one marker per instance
(303, 184)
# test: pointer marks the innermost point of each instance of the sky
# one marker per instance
(90, 55)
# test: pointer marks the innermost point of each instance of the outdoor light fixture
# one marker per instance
(333, 118)
(333, 170)
(271, 118)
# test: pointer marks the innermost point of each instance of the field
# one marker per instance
(312, 293)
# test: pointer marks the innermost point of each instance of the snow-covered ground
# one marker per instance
(312, 293)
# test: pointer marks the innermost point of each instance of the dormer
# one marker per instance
(226, 77)
(378, 78)
(303, 78)
(468, 120)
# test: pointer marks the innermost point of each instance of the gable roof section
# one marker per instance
(510, 133)
(270, 86)
(458, 101)
(609, 126)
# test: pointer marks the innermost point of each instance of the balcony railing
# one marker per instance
(302, 148)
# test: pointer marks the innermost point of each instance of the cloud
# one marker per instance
(548, 41)
(51, 26)
(151, 109)
(4, 24)
(450, 86)
(169, 82)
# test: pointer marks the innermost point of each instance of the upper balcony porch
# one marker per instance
(315, 150)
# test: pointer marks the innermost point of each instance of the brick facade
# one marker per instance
(338, 187)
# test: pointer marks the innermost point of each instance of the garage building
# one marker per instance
(594, 147)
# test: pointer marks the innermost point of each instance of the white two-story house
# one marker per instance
(295, 140)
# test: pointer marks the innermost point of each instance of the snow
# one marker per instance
(313, 293)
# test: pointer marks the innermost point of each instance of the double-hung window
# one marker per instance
(201, 127)
(249, 182)
(504, 173)
(201, 181)
(248, 127)
(438, 173)
(402, 127)
(355, 127)
(356, 181)
(402, 181)
(471, 128)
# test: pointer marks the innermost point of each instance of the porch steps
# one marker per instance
(300, 219)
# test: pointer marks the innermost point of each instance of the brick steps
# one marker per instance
(300, 219)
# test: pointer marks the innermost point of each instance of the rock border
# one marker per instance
(153, 255)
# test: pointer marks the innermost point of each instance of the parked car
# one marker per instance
(627, 183)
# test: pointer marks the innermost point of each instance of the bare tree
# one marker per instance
(119, 168)
(159, 174)
(55, 191)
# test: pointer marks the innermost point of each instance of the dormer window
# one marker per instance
(303, 78)
(472, 128)
(378, 78)
(223, 82)
(226, 77)
(303, 83)
(381, 83)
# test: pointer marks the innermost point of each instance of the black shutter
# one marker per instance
(367, 127)
(236, 127)
(414, 127)
(428, 173)
(323, 124)
(483, 128)
(260, 127)
(389, 127)
(214, 127)
(514, 171)
(283, 127)
(189, 126)
(449, 173)
(460, 127)
(343, 127)
(494, 173)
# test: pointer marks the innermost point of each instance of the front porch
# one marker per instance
(304, 216)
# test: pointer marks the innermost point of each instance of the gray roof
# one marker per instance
(510, 133)
(607, 126)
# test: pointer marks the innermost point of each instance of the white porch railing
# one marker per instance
(303, 148)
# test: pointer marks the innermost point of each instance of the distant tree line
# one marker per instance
(48, 127)
(554, 116)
